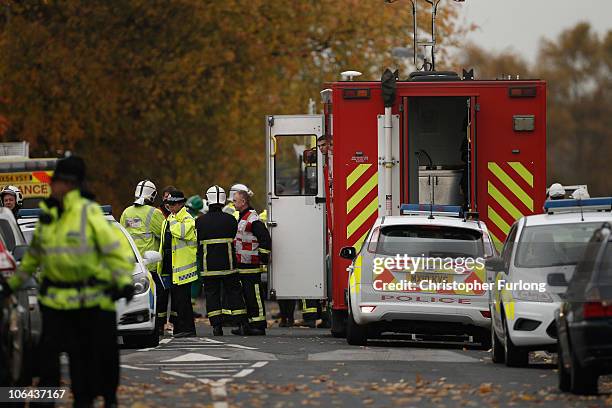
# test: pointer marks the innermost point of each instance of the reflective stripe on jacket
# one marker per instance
(79, 256)
(184, 247)
(144, 223)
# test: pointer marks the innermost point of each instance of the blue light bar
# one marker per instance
(588, 204)
(426, 209)
(35, 212)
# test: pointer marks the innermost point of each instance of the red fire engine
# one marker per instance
(433, 137)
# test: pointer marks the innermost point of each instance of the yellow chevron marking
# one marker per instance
(523, 172)
(511, 184)
(362, 217)
(362, 192)
(355, 174)
(497, 220)
(359, 243)
(504, 202)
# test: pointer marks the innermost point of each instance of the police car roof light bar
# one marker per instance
(571, 205)
(428, 209)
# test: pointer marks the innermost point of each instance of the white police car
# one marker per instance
(531, 275)
(420, 273)
(136, 319)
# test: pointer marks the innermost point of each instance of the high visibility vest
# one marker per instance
(79, 256)
(247, 245)
(184, 247)
(144, 223)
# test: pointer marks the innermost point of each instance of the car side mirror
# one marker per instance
(151, 257)
(556, 279)
(349, 253)
(495, 263)
(19, 251)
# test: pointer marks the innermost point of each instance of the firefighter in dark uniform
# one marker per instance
(83, 270)
(216, 231)
(253, 246)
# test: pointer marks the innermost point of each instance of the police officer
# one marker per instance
(253, 246)
(178, 264)
(144, 222)
(84, 269)
(217, 263)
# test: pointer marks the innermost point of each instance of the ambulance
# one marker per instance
(430, 137)
(32, 176)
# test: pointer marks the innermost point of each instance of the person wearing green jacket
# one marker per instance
(84, 269)
(178, 267)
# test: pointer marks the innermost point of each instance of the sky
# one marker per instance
(520, 24)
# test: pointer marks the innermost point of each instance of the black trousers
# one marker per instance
(311, 309)
(180, 299)
(252, 291)
(89, 336)
(163, 299)
(287, 308)
(224, 299)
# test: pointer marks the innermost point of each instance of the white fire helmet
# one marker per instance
(14, 191)
(556, 192)
(145, 191)
(215, 195)
(239, 187)
(580, 194)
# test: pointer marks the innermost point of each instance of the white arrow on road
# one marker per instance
(192, 357)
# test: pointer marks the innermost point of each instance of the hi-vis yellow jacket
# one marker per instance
(184, 247)
(144, 223)
(79, 256)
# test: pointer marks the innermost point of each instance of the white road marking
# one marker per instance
(193, 357)
(135, 368)
(259, 364)
(164, 341)
(244, 373)
(218, 392)
(177, 374)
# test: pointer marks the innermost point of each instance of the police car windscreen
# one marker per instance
(429, 240)
(542, 246)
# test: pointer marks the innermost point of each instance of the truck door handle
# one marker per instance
(271, 223)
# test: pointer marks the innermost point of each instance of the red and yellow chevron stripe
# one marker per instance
(510, 196)
(362, 202)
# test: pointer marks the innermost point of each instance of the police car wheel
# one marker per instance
(564, 374)
(356, 334)
(582, 380)
(497, 348)
(338, 318)
(514, 356)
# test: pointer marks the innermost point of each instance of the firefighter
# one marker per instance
(144, 222)
(216, 231)
(83, 270)
(252, 250)
(178, 264)
(12, 199)
(230, 208)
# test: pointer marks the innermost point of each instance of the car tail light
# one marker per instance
(594, 310)
(367, 309)
(486, 313)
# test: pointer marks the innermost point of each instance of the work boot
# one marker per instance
(283, 322)
(254, 331)
(310, 323)
(218, 330)
(197, 315)
(325, 324)
(242, 330)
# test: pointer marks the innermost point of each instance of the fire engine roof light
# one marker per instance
(349, 75)
(588, 204)
(426, 209)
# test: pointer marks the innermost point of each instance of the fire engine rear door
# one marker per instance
(296, 206)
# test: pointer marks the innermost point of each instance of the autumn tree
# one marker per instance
(177, 91)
